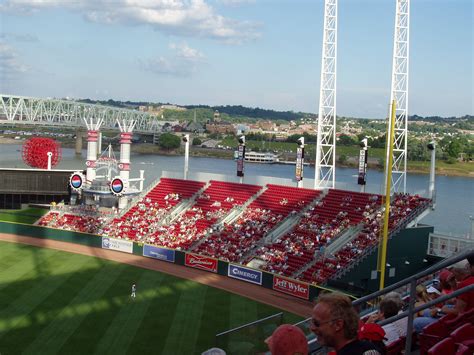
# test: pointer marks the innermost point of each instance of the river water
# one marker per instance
(454, 195)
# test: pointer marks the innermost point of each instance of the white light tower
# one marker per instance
(325, 174)
(93, 127)
(399, 94)
(126, 129)
(186, 155)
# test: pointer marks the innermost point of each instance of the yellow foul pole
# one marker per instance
(388, 185)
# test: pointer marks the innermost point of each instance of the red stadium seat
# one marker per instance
(396, 347)
(463, 333)
(444, 347)
(432, 334)
(463, 350)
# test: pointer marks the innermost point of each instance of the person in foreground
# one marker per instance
(335, 322)
(288, 339)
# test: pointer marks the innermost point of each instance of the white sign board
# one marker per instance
(125, 246)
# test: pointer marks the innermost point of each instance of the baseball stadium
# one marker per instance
(101, 259)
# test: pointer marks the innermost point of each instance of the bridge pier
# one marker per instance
(79, 136)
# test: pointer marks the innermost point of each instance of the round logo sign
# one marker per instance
(76, 181)
(116, 186)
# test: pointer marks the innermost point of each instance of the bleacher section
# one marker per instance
(269, 209)
(403, 208)
(300, 253)
(320, 226)
(213, 204)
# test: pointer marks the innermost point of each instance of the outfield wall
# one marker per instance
(398, 253)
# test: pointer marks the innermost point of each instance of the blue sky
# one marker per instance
(258, 53)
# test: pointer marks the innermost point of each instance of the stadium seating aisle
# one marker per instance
(404, 208)
(320, 225)
(264, 213)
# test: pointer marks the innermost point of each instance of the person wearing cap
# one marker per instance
(447, 282)
(335, 323)
(464, 302)
(375, 334)
(288, 339)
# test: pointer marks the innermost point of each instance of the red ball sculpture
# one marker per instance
(35, 152)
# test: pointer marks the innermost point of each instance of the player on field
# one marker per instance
(134, 291)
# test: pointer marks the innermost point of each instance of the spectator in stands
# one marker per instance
(389, 307)
(426, 316)
(335, 323)
(464, 302)
(288, 339)
(447, 282)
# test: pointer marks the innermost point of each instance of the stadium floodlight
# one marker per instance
(300, 142)
(431, 189)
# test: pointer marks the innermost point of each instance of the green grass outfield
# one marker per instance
(27, 215)
(54, 302)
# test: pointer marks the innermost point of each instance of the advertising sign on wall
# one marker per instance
(125, 246)
(201, 262)
(245, 274)
(158, 253)
(291, 287)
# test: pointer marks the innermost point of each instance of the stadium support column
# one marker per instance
(325, 174)
(93, 127)
(126, 129)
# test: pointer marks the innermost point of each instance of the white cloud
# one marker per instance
(235, 2)
(10, 63)
(20, 37)
(186, 52)
(178, 17)
(183, 63)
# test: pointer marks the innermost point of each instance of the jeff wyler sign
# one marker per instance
(245, 274)
(291, 287)
(125, 246)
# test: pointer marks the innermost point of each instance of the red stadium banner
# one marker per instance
(201, 262)
(291, 287)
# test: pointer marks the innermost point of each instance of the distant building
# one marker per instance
(217, 116)
(221, 127)
(266, 125)
(173, 107)
(194, 127)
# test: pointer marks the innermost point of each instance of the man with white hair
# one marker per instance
(464, 302)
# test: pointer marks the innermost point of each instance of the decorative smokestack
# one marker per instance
(92, 136)
(126, 129)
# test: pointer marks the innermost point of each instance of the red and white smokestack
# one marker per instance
(126, 129)
(92, 137)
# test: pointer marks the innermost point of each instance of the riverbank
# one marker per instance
(442, 168)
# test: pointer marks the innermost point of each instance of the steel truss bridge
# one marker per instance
(52, 112)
